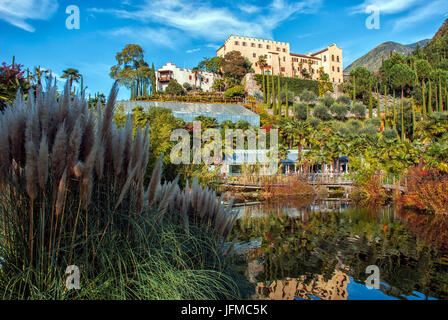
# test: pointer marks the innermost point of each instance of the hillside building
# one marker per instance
(280, 59)
(170, 71)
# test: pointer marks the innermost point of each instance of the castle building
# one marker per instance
(280, 60)
(170, 71)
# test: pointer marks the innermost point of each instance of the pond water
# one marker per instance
(296, 250)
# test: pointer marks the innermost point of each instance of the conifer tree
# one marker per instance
(430, 98)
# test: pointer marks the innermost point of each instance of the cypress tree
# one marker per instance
(378, 108)
(273, 95)
(424, 98)
(430, 99)
(268, 91)
(413, 116)
(152, 79)
(264, 88)
(279, 96)
(395, 112)
(307, 111)
(403, 136)
(354, 89)
(294, 108)
(440, 96)
(370, 100)
(446, 98)
(385, 107)
(287, 100)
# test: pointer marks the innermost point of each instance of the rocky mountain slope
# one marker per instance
(374, 58)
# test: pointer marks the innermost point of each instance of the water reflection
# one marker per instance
(320, 250)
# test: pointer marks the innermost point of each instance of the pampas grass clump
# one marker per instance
(71, 180)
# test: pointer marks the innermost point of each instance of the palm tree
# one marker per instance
(72, 75)
(38, 73)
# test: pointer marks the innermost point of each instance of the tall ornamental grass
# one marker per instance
(72, 193)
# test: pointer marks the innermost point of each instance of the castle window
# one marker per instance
(332, 57)
(252, 45)
(283, 69)
(339, 69)
(244, 44)
(236, 43)
(260, 45)
(268, 46)
(278, 49)
(338, 58)
(284, 59)
(254, 55)
(325, 58)
(332, 69)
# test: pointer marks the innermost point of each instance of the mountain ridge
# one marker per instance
(374, 58)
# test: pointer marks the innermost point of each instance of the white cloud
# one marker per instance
(201, 19)
(249, 8)
(213, 46)
(193, 50)
(17, 12)
(159, 36)
(387, 6)
(423, 13)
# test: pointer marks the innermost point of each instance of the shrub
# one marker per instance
(12, 78)
(308, 96)
(227, 124)
(373, 123)
(301, 112)
(427, 190)
(344, 99)
(359, 110)
(370, 130)
(174, 88)
(327, 100)
(355, 126)
(207, 122)
(242, 124)
(258, 96)
(187, 86)
(339, 111)
(290, 97)
(234, 92)
(72, 192)
(314, 122)
(390, 134)
(321, 112)
(295, 85)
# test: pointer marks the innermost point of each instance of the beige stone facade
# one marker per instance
(280, 60)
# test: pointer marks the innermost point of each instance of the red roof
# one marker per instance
(315, 54)
(304, 56)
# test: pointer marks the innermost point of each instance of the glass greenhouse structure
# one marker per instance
(189, 111)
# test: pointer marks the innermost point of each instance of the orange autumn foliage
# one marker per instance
(426, 190)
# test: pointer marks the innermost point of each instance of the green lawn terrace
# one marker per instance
(189, 111)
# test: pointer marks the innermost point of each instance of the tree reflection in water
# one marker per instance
(307, 253)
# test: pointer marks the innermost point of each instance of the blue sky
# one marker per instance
(184, 31)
